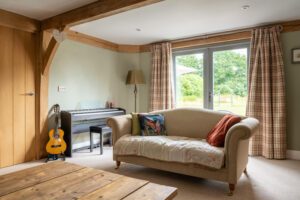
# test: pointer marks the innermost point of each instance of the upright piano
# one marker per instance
(79, 121)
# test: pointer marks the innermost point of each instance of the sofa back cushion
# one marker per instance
(190, 122)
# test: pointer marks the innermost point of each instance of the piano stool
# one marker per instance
(101, 130)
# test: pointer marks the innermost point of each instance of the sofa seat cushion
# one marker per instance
(172, 149)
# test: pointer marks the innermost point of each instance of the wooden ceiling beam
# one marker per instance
(20, 22)
(50, 46)
(90, 40)
(245, 35)
(93, 11)
(97, 42)
(236, 35)
(291, 26)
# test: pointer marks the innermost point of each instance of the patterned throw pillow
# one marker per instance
(135, 126)
(152, 124)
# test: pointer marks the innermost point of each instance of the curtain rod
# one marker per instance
(206, 36)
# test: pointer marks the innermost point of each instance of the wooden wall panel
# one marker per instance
(43, 80)
(6, 97)
(43, 134)
(30, 117)
(19, 71)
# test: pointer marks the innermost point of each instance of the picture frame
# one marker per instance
(296, 56)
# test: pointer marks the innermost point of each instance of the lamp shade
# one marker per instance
(135, 77)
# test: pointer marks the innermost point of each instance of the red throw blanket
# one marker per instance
(216, 136)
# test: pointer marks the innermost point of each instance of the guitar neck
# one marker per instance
(56, 123)
(57, 116)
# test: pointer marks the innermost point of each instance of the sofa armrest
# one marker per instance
(120, 125)
(237, 146)
(241, 131)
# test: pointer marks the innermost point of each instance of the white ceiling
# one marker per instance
(41, 9)
(172, 19)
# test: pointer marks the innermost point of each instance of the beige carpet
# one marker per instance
(267, 179)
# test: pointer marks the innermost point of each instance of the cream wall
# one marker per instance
(292, 76)
(144, 90)
(91, 76)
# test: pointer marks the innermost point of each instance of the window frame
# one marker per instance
(208, 66)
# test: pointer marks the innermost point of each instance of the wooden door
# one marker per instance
(30, 116)
(17, 105)
(6, 97)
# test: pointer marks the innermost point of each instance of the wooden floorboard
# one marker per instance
(49, 189)
(116, 190)
(85, 186)
(23, 179)
(153, 191)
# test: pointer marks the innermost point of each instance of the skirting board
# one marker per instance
(293, 154)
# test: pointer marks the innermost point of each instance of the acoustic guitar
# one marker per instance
(56, 144)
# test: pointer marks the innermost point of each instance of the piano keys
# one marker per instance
(79, 121)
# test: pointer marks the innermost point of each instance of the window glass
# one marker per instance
(189, 80)
(230, 80)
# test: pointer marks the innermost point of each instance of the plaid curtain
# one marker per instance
(162, 92)
(266, 100)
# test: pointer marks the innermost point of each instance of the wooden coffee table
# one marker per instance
(62, 180)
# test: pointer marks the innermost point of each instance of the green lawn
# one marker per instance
(233, 104)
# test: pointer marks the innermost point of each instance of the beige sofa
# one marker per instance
(194, 124)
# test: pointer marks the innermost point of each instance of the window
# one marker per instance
(189, 80)
(214, 77)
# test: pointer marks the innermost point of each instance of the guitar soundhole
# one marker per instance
(55, 146)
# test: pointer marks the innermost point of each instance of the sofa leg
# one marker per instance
(245, 171)
(231, 189)
(118, 163)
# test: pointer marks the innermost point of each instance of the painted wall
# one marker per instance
(144, 90)
(292, 72)
(91, 77)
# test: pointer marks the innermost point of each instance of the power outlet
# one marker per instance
(61, 88)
